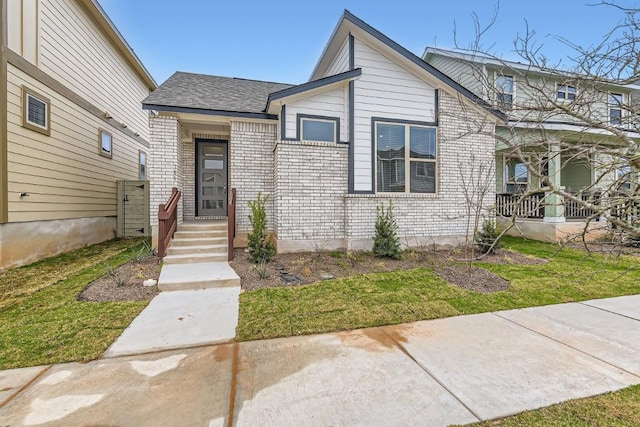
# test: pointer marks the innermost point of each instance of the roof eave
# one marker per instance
(209, 112)
(402, 51)
(312, 85)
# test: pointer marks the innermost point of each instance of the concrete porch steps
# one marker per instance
(197, 258)
(193, 258)
(198, 241)
(198, 249)
(205, 275)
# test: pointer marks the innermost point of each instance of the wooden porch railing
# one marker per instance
(531, 206)
(625, 208)
(167, 221)
(573, 210)
(231, 217)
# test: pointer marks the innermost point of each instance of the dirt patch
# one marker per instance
(472, 278)
(310, 267)
(125, 282)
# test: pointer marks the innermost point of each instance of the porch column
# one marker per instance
(165, 165)
(554, 204)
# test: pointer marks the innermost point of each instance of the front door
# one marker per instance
(211, 182)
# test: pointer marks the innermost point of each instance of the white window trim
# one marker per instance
(26, 123)
(566, 92)
(109, 154)
(611, 106)
(407, 159)
(505, 172)
(146, 161)
(313, 119)
(513, 91)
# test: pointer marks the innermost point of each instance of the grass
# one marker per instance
(621, 408)
(43, 322)
(418, 294)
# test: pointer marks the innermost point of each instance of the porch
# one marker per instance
(551, 217)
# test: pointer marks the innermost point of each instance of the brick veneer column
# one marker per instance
(165, 165)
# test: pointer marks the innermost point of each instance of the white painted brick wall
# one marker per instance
(251, 168)
(307, 182)
(460, 144)
(310, 185)
(165, 162)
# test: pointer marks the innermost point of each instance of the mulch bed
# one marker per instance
(304, 268)
(125, 284)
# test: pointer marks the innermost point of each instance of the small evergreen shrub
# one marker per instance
(261, 248)
(487, 238)
(386, 242)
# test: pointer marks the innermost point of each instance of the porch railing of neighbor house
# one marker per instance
(231, 217)
(625, 208)
(167, 221)
(573, 209)
(530, 206)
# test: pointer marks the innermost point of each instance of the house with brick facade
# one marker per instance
(374, 123)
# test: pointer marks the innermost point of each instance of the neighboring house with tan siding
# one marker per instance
(374, 123)
(72, 125)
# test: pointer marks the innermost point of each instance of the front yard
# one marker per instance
(390, 297)
(59, 310)
(43, 321)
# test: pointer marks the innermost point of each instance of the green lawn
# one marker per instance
(621, 408)
(406, 296)
(43, 323)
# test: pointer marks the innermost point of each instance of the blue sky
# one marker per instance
(282, 40)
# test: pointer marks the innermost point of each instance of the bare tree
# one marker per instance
(571, 144)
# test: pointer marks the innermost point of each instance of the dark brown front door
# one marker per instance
(211, 183)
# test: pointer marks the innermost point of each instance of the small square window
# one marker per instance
(566, 93)
(35, 111)
(105, 143)
(143, 166)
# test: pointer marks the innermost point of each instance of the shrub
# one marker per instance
(386, 242)
(261, 248)
(487, 238)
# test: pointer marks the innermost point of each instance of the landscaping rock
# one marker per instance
(327, 276)
(150, 282)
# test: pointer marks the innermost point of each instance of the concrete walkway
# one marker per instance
(180, 319)
(431, 373)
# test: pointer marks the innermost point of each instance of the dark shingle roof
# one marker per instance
(213, 93)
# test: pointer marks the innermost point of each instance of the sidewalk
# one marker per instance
(448, 371)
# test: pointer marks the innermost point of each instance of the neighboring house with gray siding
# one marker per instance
(71, 125)
(374, 123)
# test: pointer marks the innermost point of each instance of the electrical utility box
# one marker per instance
(133, 209)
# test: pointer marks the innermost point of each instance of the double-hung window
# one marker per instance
(624, 175)
(516, 175)
(565, 92)
(35, 112)
(504, 92)
(615, 109)
(406, 158)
